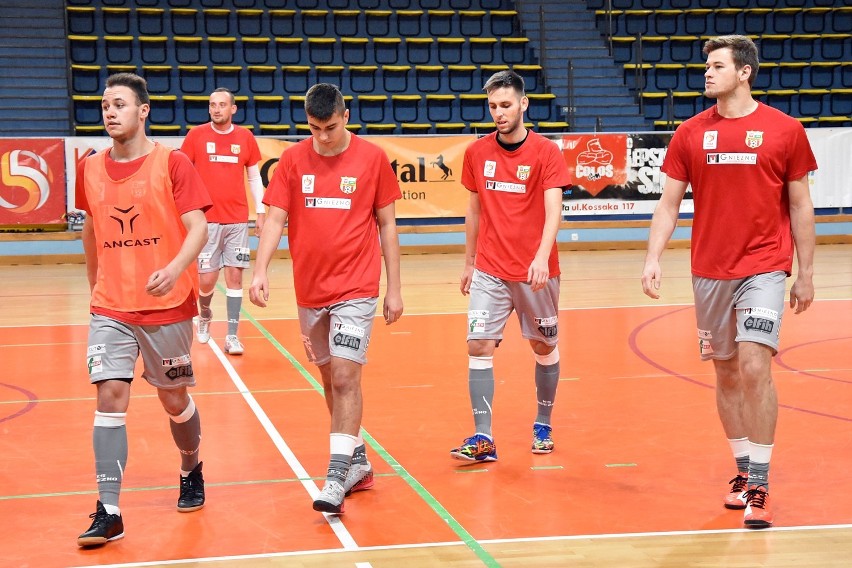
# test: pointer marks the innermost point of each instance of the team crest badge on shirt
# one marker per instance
(490, 168)
(347, 184)
(754, 138)
(710, 139)
(524, 172)
(307, 183)
(235, 148)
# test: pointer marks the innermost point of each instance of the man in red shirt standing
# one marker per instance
(748, 166)
(143, 230)
(225, 154)
(336, 192)
(515, 178)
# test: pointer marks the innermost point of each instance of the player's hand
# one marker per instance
(466, 279)
(538, 274)
(161, 282)
(802, 294)
(259, 290)
(651, 278)
(392, 307)
(258, 224)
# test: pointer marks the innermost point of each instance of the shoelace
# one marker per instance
(756, 498)
(739, 483)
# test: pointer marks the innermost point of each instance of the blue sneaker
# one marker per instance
(542, 442)
(478, 447)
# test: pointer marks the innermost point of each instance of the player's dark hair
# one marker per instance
(324, 100)
(743, 52)
(503, 79)
(132, 81)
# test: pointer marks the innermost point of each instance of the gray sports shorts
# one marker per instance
(340, 330)
(114, 348)
(227, 245)
(493, 299)
(745, 309)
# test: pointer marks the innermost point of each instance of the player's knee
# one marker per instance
(481, 347)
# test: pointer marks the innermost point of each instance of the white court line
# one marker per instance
(460, 543)
(304, 478)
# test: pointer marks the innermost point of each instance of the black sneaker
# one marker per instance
(191, 491)
(105, 527)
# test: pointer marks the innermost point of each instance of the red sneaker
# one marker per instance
(757, 513)
(735, 499)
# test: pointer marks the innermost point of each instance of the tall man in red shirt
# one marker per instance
(143, 230)
(223, 153)
(336, 191)
(515, 178)
(748, 166)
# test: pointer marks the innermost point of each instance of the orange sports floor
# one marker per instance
(639, 447)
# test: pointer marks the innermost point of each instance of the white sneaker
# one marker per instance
(203, 333)
(330, 499)
(359, 478)
(233, 345)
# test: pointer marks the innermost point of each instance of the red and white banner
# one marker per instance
(32, 182)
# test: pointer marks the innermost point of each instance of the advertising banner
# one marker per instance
(32, 182)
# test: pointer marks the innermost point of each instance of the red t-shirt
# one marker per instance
(190, 194)
(221, 159)
(511, 188)
(331, 203)
(739, 169)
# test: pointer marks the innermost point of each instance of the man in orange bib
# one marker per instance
(144, 228)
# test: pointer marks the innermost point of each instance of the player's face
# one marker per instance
(123, 116)
(221, 109)
(721, 77)
(507, 110)
(330, 136)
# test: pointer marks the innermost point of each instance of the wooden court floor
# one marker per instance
(637, 478)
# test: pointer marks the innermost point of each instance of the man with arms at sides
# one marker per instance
(223, 153)
(748, 166)
(336, 191)
(515, 178)
(143, 230)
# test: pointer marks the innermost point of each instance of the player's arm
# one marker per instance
(539, 270)
(163, 280)
(471, 235)
(392, 307)
(90, 251)
(802, 225)
(256, 187)
(663, 225)
(276, 218)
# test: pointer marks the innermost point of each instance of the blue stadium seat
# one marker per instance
(212, 3)
(184, 21)
(154, 49)
(441, 22)
(473, 107)
(768, 76)
(150, 21)
(781, 99)
(399, 4)
(187, 50)
(275, 4)
(86, 79)
(846, 74)
(268, 109)
(221, 49)
(386, 50)
(353, 50)
(461, 78)
(513, 49)
(408, 22)
(812, 102)
(158, 77)
(824, 74)
(450, 50)
(314, 23)
(262, 78)
(836, 47)
(726, 20)
(503, 22)
(418, 50)
(486, 71)
(784, 20)
(339, 4)
(244, 3)
(296, 78)
(654, 105)
(841, 20)
(695, 21)
(87, 109)
(431, 4)
(668, 22)
(378, 23)
(346, 23)
(471, 23)
(330, 74)
(307, 4)
(395, 78)
(685, 103)
(369, 4)
(371, 108)
(429, 78)
(406, 108)
(297, 109)
(217, 21)
(81, 20)
(636, 75)
(193, 79)
(282, 23)
(250, 22)
(441, 108)
(179, 3)
(119, 49)
(228, 76)
(814, 20)
(755, 20)
(321, 50)
(164, 109)
(790, 74)
(482, 50)
(773, 47)
(841, 102)
(541, 106)
(685, 49)
(288, 50)
(637, 22)
(666, 76)
(116, 21)
(255, 50)
(362, 78)
(416, 127)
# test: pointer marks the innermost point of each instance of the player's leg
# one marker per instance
(168, 367)
(488, 310)
(539, 316)
(235, 254)
(111, 357)
(209, 264)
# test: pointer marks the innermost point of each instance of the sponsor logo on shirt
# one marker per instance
(348, 184)
(215, 158)
(235, 148)
(211, 147)
(327, 203)
(98, 349)
(754, 138)
(478, 314)
(308, 182)
(174, 361)
(710, 139)
(505, 186)
(94, 364)
(524, 172)
(762, 312)
(350, 329)
(490, 168)
(546, 321)
(732, 158)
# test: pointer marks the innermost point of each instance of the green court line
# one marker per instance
(418, 488)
